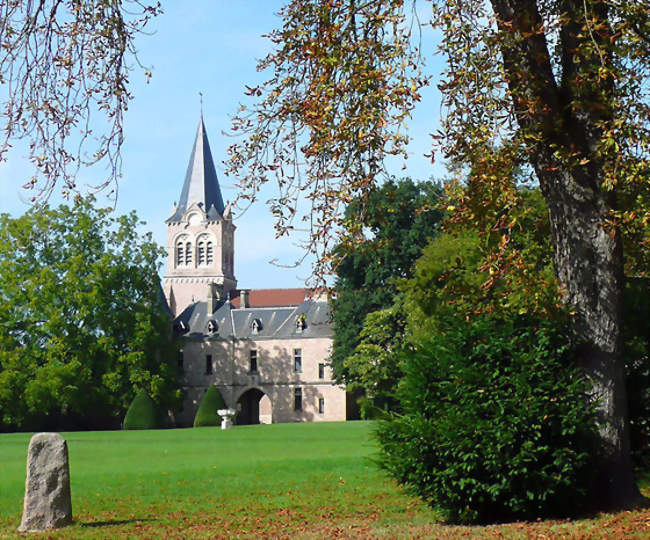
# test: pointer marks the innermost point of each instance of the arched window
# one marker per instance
(208, 253)
(188, 253)
(201, 252)
(256, 326)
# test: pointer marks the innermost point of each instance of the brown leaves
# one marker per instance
(344, 78)
(64, 62)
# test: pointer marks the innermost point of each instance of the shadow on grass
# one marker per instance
(113, 523)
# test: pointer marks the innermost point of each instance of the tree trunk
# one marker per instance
(558, 120)
(589, 266)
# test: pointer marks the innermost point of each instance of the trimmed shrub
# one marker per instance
(496, 423)
(210, 404)
(142, 413)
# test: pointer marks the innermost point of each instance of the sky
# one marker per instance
(212, 47)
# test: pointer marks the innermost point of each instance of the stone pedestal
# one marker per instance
(226, 417)
(47, 487)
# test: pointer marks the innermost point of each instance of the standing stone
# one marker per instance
(47, 487)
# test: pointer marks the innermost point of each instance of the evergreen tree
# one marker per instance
(142, 413)
(207, 415)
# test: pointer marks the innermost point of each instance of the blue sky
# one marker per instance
(208, 46)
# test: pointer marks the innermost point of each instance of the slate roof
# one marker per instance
(279, 322)
(201, 185)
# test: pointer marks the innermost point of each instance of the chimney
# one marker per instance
(244, 298)
(213, 297)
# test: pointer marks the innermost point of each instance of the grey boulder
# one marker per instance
(47, 487)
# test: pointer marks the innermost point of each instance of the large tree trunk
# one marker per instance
(589, 265)
(560, 120)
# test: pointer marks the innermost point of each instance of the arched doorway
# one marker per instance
(253, 407)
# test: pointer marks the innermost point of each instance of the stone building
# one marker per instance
(267, 351)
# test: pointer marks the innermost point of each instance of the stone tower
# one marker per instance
(200, 236)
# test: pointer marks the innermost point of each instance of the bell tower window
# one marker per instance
(180, 250)
(208, 253)
(201, 252)
(188, 253)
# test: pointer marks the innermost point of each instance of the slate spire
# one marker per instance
(201, 183)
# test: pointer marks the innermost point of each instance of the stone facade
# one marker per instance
(275, 376)
(267, 351)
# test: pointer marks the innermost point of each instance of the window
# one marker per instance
(201, 252)
(180, 260)
(297, 360)
(321, 405)
(321, 371)
(301, 323)
(188, 253)
(212, 326)
(256, 326)
(297, 399)
(252, 364)
(208, 364)
(208, 253)
(180, 359)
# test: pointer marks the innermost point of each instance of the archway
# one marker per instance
(253, 407)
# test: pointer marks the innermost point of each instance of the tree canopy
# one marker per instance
(399, 218)
(557, 90)
(83, 323)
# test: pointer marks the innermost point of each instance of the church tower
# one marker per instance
(200, 236)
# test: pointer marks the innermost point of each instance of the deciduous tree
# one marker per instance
(399, 218)
(555, 88)
(83, 323)
(64, 74)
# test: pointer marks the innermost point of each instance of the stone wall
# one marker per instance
(229, 370)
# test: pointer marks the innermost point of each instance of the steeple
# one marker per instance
(201, 183)
(200, 236)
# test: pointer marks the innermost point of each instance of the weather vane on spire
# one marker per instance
(201, 101)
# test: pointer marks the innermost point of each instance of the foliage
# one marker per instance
(494, 425)
(399, 219)
(207, 414)
(450, 277)
(374, 366)
(555, 90)
(456, 270)
(341, 88)
(63, 65)
(84, 323)
(142, 413)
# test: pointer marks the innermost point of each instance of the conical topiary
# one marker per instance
(210, 404)
(142, 413)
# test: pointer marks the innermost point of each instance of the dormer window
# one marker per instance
(212, 326)
(256, 326)
(301, 323)
(181, 327)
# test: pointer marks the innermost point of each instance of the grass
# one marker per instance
(276, 481)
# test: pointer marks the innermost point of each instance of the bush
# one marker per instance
(210, 404)
(494, 424)
(142, 413)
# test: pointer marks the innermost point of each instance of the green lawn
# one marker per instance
(283, 480)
